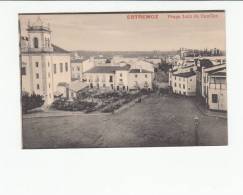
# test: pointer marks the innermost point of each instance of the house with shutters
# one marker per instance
(118, 77)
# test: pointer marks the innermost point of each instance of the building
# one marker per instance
(76, 69)
(183, 83)
(43, 64)
(118, 78)
(205, 80)
(217, 90)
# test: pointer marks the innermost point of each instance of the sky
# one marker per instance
(115, 32)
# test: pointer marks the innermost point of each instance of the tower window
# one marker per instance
(111, 79)
(66, 67)
(38, 86)
(36, 64)
(36, 42)
(37, 75)
(55, 68)
(23, 71)
(61, 67)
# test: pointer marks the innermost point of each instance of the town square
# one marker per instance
(113, 94)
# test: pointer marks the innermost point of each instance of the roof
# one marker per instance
(139, 71)
(215, 70)
(185, 74)
(77, 60)
(57, 49)
(77, 86)
(221, 72)
(107, 69)
(63, 84)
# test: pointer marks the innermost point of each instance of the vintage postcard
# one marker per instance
(142, 79)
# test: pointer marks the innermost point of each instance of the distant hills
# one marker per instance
(108, 54)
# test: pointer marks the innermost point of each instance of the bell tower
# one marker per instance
(39, 36)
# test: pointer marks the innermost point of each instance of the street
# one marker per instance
(156, 121)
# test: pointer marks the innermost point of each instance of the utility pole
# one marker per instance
(196, 125)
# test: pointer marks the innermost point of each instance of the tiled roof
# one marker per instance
(57, 49)
(139, 71)
(221, 72)
(185, 74)
(107, 69)
(63, 84)
(77, 60)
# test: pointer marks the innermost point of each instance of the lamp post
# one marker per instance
(196, 125)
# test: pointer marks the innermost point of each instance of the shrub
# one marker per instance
(31, 101)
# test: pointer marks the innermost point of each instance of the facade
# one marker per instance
(217, 91)
(43, 64)
(77, 69)
(205, 80)
(183, 83)
(118, 78)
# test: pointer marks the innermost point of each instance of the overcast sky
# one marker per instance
(114, 32)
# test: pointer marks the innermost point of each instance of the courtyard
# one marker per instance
(157, 121)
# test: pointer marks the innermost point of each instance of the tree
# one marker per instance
(31, 101)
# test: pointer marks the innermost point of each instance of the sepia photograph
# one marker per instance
(123, 79)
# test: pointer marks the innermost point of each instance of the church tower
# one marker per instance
(39, 36)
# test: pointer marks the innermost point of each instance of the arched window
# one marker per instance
(36, 43)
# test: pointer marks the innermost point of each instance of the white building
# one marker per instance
(204, 78)
(183, 83)
(43, 64)
(118, 78)
(217, 90)
(77, 69)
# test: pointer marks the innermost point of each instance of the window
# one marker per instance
(214, 98)
(38, 86)
(49, 75)
(117, 87)
(136, 75)
(78, 69)
(183, 86)
(120, 74)
(98, 85)
(175, 84)
(104, 85)
(36, 64)
(23, 71)
(123, 87)
(204, 79)
(175, 77)
(184, 93)
(179, 79)
(36, 42)
(146, 76)
(37, 75)
(48, 42)
(55, 68)
(61, 67)
(48, 64)
(66, 67)
(49, 85)
(91, 85)
(120, 80)
(111, 79)
(180, 85)
(111, 86)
